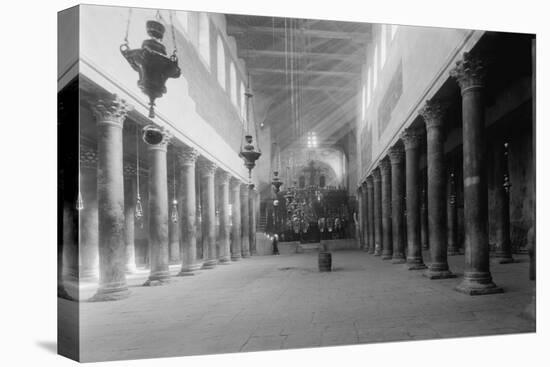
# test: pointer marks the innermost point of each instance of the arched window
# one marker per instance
(183, 18)
(383, 39)
(233, 82)
(221, 63)
(204, 38)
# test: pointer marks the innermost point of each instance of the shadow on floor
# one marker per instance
(48, 345)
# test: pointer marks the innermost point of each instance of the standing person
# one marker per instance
(275, 243)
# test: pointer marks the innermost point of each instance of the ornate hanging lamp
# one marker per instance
(276, 182)
(248, 152)
(151, 60)
(506, 183)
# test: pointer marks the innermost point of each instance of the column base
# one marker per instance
(415, 264)
(209, 264)
(475, 284)
(386, 256)
(62, 293)
(225, 260)
(236, 257)
(89, 274)
(245, 256)
(371, 250)
(502, 258)
(438, 271)
(398, 260)
(158, 278)
(111, 292)
(377, 251)
(188, 269)
(451, 251)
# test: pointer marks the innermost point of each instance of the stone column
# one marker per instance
(245, 222)
(110, 114)
(432, 113)
(208, 208)
(452, 219)
(365, 228)
(225, 246)
(252, 219)
(370, 214)
(360, 218)
(236, 249)
(503, 253)
(187, 157)
(89, 266)
(424, 237)
(412, 138)
(397, 156)
(377, 193)
(469, 73)
(157, 143)
(387, 241)
(129, 216)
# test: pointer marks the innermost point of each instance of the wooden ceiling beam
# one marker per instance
(355, 58)
(360, 37)
(342, 74)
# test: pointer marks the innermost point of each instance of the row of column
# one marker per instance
(115, 217)
(393, 219)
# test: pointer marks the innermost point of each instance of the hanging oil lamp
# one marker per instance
(506, 183)
(139, 210)
(249, 154)
(79, 202)
(152, 63)
(174, 213)
(276, 181)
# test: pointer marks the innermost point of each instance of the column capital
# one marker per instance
(187, 156)
(207, 168)
(364, 185)
(411, 138)
(385, 166)
(469, 72)
(244, 188)
(370, 182)
(223, 176)
(235, 183)
(432, 113)
(396, 154)
(111, 110)
(376, 177)
(156, 137)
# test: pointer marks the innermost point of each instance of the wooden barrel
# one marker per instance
(325, 261)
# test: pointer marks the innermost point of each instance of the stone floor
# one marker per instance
(275, 302)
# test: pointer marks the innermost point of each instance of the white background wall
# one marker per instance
(27, 312)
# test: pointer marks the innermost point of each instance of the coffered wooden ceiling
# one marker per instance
(326, 56)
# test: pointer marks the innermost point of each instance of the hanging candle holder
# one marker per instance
(79, 202)
(506, 183)
(139, 211)
(174, 215)
(152, 63)
(249, 154)
(276, 182)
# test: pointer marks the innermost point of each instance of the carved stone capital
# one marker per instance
(187, 156)
(235, 183)
(469, 72)
(364, 186)
(411, 138)
(111, 110)
(376, 176)
(385, 166)
(370, 182)
(396, 154)
(207, 168)
(223, 177)
(156, 137)
(432, 113)
(244, 189)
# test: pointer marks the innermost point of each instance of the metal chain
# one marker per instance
(173, 33)
(128, 26)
